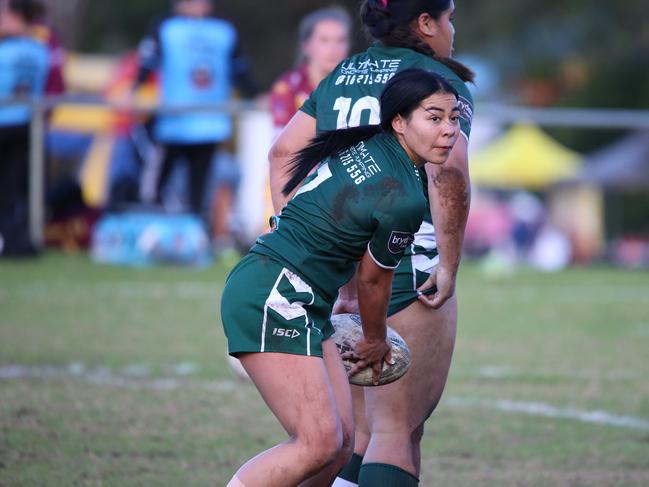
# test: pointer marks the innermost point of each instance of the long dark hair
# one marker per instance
(389, 22)
(401, 96)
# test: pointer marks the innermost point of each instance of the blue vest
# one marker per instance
(195, 69)
(24, 64)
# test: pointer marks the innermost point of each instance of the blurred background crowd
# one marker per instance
(143, 165)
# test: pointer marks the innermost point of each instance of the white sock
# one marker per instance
(343, 483)
(235, 482)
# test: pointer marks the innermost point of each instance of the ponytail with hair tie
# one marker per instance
(391, 27)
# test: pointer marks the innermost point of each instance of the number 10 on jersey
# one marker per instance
(350, 115)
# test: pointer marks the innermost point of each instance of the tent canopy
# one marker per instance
(524, 157)
(623, 165)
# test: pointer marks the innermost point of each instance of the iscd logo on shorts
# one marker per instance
(400, 241)
(283, 332)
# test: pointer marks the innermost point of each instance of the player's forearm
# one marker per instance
(279, 159)
(373, 290)
(450, 197)
(295, 136)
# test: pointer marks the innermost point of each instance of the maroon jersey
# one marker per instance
(55, 84)
(288, 94)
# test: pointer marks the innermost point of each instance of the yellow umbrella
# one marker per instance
(525, 157)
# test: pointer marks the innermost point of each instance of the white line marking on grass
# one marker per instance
(185, 368)
(496, 372)
(502, 372)
(78, 369)
(549, 411)
(132, 377)
(137, 370)
(641, 330)
(138, 376)
(127, 290)
(138, 290)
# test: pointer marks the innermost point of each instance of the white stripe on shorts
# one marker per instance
(263, 324)
(286, 310)
(308, 338)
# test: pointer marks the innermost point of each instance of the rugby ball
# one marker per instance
(349, 330)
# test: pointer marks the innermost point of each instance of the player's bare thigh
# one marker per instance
(298, 391)
(430, 335)
(295, 387)
(342, 394)
(340, 387)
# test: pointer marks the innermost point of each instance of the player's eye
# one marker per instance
(455, 118)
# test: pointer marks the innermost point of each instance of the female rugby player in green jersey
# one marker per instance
(362, 204)
(419, 34)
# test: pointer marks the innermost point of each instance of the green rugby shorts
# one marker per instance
(412, 272)
(266, 307)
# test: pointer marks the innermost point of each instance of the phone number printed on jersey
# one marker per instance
(359, 164)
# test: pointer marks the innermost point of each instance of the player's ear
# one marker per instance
(426, 25)
(399, 124)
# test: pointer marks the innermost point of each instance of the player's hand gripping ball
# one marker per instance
(349, 330)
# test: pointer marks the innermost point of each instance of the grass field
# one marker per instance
(117, 377)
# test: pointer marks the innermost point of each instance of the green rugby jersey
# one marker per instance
(350, 95)
(365, 197)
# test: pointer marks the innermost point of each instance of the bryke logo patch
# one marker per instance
(400, 241)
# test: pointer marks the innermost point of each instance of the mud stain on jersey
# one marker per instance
(391, 185)
(342, 200)
(389, 188)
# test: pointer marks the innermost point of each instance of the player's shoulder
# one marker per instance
(213, 22)
(221, 24)
(24, 44)
(386, 149)
(288, 80)
(409, 58)
(41, 33)
(436, 66)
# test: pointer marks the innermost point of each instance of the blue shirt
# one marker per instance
(24, 64)
(194, 56)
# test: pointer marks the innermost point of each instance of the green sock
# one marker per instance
(383, 475)
(352, 469)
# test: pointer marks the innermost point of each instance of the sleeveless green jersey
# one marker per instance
(365, 197)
